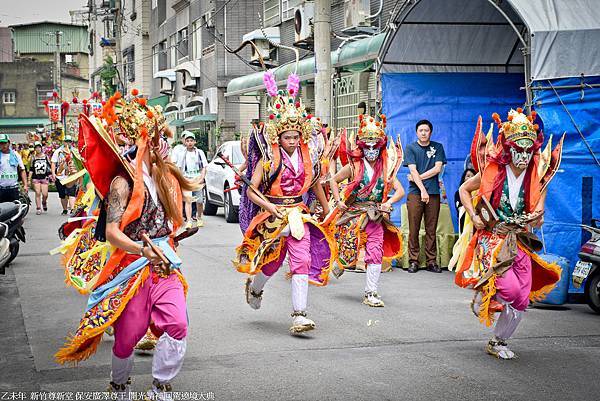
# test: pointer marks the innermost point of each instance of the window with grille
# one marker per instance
(129, 65)
(43, 93)
(162, 11)
(182, 43)
(348, 97)
(271, 9)
(8, 97)
(173, 51)
(162, 56)
(197, 39)
(155, 59)
(109, 28)
(287, 8)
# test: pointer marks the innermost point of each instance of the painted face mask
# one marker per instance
(521, 153)
(371, 153)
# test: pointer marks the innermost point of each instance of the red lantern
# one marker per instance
(75, 100)
(55, 94)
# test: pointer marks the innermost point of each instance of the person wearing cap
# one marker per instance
(38, 175)
(62, 167)
(11, 168)
(193, 165)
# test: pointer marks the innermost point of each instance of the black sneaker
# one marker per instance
(64, 212)
(434, 268)
(413, 268)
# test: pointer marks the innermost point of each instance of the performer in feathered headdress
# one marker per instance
(495, 255)
(361, 217)
(136, 277)
(284, 161)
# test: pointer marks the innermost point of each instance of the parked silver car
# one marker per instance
(220, 179)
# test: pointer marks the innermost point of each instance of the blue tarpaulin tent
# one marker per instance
(452, 60)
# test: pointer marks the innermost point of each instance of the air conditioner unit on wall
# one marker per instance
(262, 46)
(355, 17)
(303, 25)
(266, 51)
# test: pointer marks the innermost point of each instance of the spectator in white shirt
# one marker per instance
(193, 164)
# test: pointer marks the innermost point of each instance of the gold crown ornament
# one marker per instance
(288, 114)
(371, 131)
(518, 126)
(134, 116)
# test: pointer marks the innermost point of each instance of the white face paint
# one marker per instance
(371, 154)
(521, 159)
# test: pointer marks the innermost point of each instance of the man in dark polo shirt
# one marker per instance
(424, 159)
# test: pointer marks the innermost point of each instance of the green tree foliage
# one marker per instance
(107, 75)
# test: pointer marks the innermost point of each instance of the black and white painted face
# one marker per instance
(371, 153)
(522, 153)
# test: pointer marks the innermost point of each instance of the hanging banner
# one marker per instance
(54, 112)
(95, 107)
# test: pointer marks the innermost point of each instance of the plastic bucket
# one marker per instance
(558, 296)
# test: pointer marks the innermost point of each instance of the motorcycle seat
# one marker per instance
(8, 210)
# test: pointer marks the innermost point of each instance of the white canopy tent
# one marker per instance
(451, 60)
(545, 39)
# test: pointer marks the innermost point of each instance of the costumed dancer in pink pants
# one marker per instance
(495, 254)
(361, 217)
(135, 286)
(284, 159)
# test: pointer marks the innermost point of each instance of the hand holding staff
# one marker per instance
(165, 264)
(243, 178)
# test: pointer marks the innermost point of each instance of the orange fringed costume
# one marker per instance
(483, 257)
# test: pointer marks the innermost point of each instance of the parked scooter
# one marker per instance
(587, 268)
(12, 232)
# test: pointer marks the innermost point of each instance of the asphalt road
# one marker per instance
(424, 345)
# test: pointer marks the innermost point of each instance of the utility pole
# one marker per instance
(57, 75)
(322, 24)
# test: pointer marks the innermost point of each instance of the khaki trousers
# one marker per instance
(417, 210)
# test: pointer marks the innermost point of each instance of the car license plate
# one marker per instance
(582, 269)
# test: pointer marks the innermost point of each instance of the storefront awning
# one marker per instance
(176, 123)
(23, 122)
(352, 56)
(203, 117)
(161, 101)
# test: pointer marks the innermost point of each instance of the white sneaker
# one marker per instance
(121, 391)
(499, 349)
(189, 225)
(372, 299)
(252, 298)
(160, 391)
(301, 323)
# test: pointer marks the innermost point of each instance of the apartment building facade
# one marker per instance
(191, 67)
(28, 80)
(358, 28)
